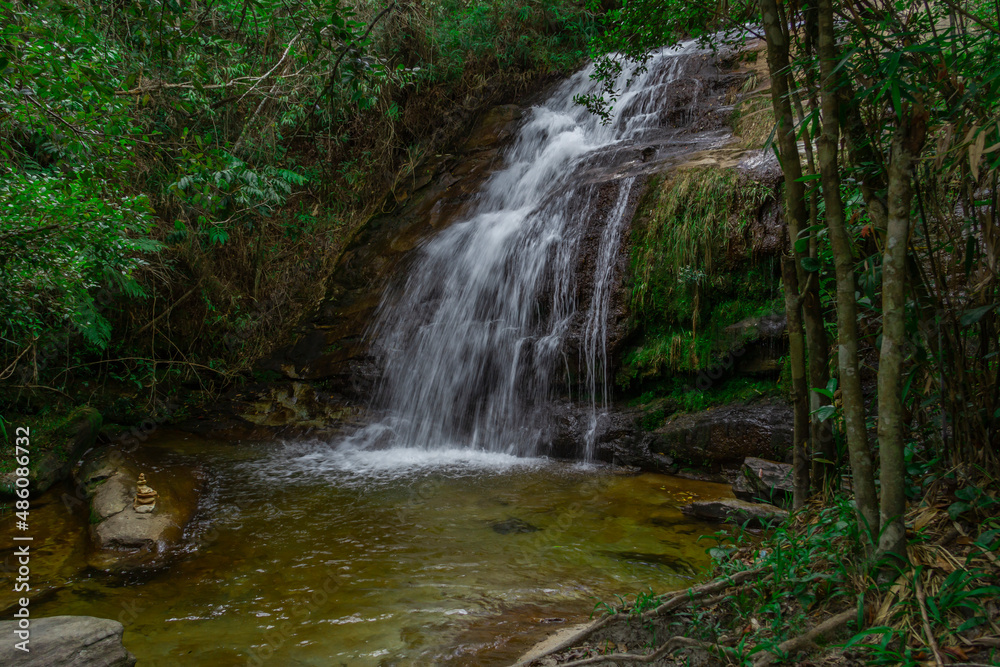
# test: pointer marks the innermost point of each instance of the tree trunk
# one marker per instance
(847, 316)
(908, 138)
(796, 217)
(800, 401)
(824, 451)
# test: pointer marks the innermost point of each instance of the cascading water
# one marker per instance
(474, 341)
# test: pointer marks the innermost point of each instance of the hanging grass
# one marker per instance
(692, 270)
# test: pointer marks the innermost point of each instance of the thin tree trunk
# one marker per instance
(847, 316)
(800, 401)
(796, 217)
(823, 452)
(891, 424)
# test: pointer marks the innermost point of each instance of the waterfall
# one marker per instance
(595, 330)
(474, 340)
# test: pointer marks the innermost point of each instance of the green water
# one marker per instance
(299, 555)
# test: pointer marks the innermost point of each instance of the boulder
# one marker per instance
(760, 480)
(53, 453)
(727, 434)
(121, 536)
(67, 641)
(735, 511)
(742, 488)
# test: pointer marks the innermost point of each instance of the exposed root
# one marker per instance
(806, 639)
(570, 641)
(671, 644)
(931, 641)
(692, 594)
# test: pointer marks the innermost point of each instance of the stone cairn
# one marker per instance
(145, 497)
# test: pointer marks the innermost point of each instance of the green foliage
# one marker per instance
(68, 250)
(695, 224)
(633, 29)
(809, 566)
(522, 34)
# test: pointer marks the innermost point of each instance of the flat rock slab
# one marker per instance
(67, 641)
(735, 511)
(135, 530)
(114, 495)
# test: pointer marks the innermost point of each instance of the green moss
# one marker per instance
(690, 399)
(266, 376)
(693, 274)
(693, 222)
(52, 432)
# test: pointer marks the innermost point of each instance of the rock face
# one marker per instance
(54, 454)
(121, 537)
(67, 641)
(766, 481)
(727, 434)
(759, 343)
(735, 511)
(331, 346)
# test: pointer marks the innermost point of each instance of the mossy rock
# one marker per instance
(55, 444)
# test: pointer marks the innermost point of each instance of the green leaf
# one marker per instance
(973, 316)
(956, 509)
(824, 412)
(973, 622)
(218, 235)
(811, 264)
(986, 539)
(881, 630)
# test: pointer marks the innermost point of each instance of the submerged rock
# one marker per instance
(513, 526)
(735, 511)
(671, 562)
(67, 641)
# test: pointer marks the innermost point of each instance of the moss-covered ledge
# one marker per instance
(56, 443)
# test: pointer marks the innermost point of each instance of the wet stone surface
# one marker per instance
(513, 526)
